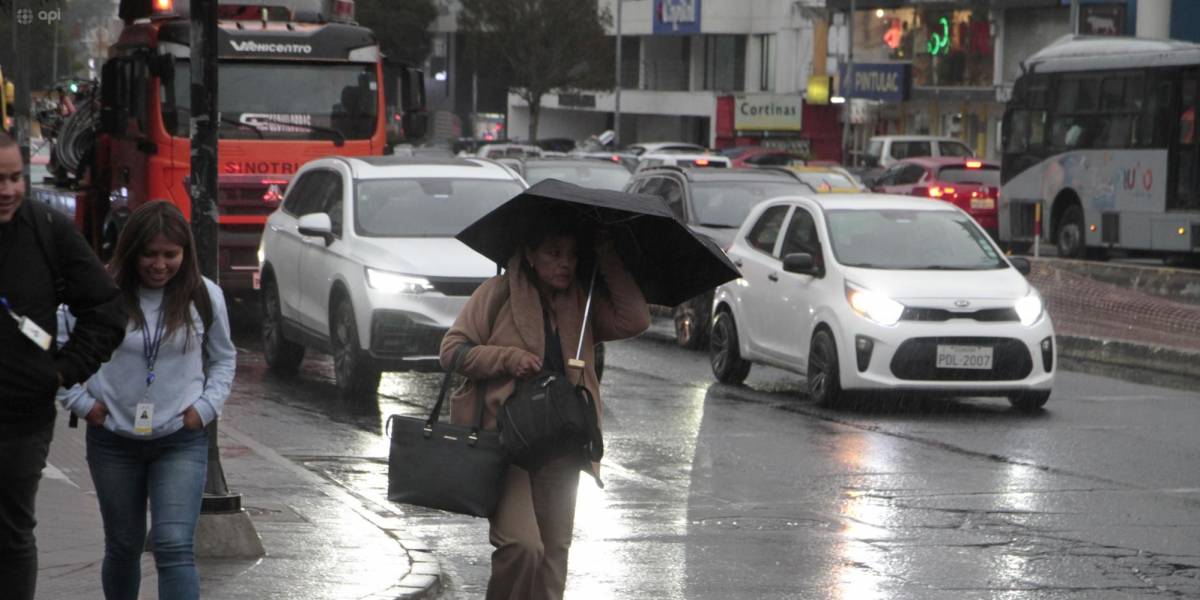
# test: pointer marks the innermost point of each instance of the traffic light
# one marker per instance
(73, 86)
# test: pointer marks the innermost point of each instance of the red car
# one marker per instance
(970, 183)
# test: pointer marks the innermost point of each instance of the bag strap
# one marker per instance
(459, 353)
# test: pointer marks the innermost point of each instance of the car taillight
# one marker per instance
(935, 192)
(701, 162)
(974, 164)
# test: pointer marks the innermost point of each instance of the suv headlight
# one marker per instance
(395, 283)
(873, 305)
(1029, 309)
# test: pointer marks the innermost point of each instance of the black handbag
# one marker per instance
(546, 417)
(444, 466)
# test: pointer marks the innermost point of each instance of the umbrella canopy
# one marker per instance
(670, 263)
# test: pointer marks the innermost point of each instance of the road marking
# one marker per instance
(53, 472)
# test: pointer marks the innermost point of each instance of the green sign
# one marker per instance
(939, 43)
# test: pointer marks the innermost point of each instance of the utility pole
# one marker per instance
(617, 92)
(224, 530)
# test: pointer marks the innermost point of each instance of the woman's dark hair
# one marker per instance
(558, 222)
(186, 287)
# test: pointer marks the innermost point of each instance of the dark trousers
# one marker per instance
(22, 458)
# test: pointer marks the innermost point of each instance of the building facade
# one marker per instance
(714, 72)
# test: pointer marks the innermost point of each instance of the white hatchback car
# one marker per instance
(871, 292)
(360, 260)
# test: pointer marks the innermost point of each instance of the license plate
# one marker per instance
(256, 280)
(964, 357)
(982, 204)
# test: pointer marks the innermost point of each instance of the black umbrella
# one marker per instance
(670, 263)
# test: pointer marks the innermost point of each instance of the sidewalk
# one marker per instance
(321, 542)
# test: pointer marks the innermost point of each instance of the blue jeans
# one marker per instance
(170, 473)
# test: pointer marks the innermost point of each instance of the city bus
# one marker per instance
(1100, 150)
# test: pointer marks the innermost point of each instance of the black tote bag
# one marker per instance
(449, 467)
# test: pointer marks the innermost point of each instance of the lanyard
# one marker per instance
(150, 346)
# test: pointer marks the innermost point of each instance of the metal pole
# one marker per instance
(1075, 17)
(54, 68)
(203, 189)
(617, 91)
(848, 88)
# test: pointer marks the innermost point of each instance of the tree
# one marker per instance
(402, 26)
(545, 45)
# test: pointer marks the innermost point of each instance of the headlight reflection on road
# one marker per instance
(861, 567)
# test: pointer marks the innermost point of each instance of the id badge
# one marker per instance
(144, 418)
(35, 333)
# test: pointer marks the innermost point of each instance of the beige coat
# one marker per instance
(618, 311)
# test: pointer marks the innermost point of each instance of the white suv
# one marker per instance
(360, 260)
(885, 150)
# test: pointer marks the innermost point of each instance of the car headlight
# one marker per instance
(1029, 308)
(873, 305)
(395, 283)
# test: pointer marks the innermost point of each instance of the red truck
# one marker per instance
(298, 80)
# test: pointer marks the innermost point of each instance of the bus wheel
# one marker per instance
(1070, 240)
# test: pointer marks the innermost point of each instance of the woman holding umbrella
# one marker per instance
(526, 321)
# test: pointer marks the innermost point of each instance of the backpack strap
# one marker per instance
(43, 230)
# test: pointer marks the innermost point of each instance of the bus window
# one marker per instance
(1186, 191)
(1151, 126)
(1089, 93)
(1112, 94)
(1016, 130)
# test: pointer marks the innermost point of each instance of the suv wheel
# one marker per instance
(282, 356)
(355, 372)
(727, 363)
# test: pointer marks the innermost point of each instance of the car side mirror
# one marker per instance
(1021, 264)
(801, 263)
(317, 225)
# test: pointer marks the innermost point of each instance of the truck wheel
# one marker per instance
(355, 372)
(1070, 238)
(724, 355)
(283, 356)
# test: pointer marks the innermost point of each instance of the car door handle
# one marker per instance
(737, 263)
(773, 277)
(275, 228)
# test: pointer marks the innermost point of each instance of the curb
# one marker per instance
(424, 577)
(1162, 359)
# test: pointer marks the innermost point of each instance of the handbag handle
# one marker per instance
(459, 353)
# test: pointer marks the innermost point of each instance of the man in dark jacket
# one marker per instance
(36, 274)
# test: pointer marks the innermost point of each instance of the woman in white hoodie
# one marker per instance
(147, 407)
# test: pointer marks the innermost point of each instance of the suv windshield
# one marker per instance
(910, 239)
(726, 203)
(425, 207)
(281, 100)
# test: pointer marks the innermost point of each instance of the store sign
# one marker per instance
(676, 17)
(886, 82)
(767, 112)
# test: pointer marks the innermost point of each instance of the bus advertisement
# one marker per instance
(1099, 139)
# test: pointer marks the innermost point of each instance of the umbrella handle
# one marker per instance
(577, 362)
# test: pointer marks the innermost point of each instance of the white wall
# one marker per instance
(553, 123)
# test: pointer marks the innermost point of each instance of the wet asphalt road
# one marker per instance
(723, 492)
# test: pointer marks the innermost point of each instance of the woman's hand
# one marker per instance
(97, 415)
(192, 420)
(527, 366)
